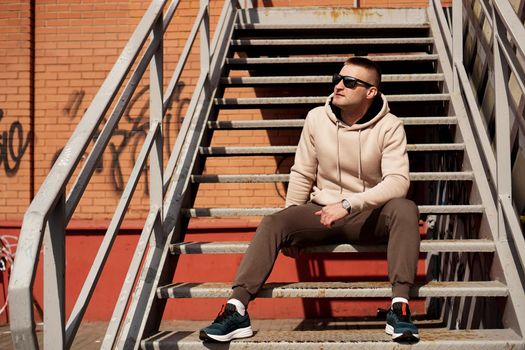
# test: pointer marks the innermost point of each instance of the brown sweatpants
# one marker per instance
(396, 222)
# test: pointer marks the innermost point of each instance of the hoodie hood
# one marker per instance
(378, 109)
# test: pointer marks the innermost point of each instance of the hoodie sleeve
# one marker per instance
(302, 173)
(395, 172)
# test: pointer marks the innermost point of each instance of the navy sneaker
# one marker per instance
(399, 323)
(228, 325)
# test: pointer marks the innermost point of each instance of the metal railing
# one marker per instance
(508, 42)
(50, 211)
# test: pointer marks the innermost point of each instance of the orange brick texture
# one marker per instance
(15, 109)
(75, 45)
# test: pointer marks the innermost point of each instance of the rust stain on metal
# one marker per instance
(335, 15)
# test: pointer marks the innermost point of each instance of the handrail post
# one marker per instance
(247, 4)
(54, 276)
(156, 114)
(457, 39)
(502, 118)
(205, 37)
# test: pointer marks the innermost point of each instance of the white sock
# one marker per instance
(238, 305)
(399, 300)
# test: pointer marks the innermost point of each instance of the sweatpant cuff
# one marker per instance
(242, 295)
(401, 290)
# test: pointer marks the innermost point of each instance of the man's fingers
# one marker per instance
(319, 212)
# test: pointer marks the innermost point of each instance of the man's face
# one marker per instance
(350, 98)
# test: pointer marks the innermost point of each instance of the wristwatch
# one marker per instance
(346, 205)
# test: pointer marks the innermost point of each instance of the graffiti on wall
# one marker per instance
(130, 132)
(13, 145)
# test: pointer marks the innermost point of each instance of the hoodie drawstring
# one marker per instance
(338, 160)
(359, 159)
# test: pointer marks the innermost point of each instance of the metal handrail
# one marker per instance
(103, 252)
(109, 238)
(181, 158)
(178, 71)
(495, 189)
(512, 23)
(122, 302)
(51, 205)
(465, 87)
(505, 23)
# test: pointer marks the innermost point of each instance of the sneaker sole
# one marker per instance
(236, 334)
(405, 336)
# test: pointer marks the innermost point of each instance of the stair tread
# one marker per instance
(431, 338)
(298, 123)
(427, 245)
(264, 150)
(328, 59)
(251, 178)
(244, 26)
(337, 289)
(320, 100)
(423, 209)
(327, 79)
(355, 41)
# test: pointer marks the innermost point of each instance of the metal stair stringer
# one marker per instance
(504, 267)
(145, 309)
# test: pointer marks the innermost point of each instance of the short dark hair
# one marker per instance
(367, 64)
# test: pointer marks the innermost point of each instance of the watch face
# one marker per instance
(346, 204)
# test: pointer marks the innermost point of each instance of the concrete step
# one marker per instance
(236, 62)
(337, 290)
(226, 212)
(323, 79)
(269, 178)
(369, 339)
(449, 245)
(329, 42)
(298, 123)
(315, 100)
(276, 150)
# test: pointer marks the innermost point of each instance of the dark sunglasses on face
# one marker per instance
(349, 81)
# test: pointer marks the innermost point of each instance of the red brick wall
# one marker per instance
(76, 44)
(15, 108)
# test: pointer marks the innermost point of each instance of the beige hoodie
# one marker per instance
(366, 163)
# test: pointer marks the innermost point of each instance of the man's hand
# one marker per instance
(331, 213)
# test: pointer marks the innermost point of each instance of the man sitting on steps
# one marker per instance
(347, 184)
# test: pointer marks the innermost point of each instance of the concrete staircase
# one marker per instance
(280, 61)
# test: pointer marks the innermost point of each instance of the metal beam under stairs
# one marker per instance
(278, 66)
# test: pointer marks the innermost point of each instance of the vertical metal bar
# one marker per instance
(205, 37)
(156, 156)
(248, 4)
(502, 116)
(156, 113)
(54, 276)
(457, 39)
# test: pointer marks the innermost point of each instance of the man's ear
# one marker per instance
(372, 92)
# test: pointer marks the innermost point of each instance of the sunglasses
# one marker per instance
(349, 81)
